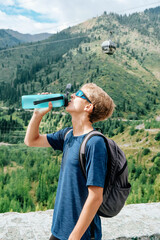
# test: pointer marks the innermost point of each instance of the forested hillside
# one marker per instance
(29, 176)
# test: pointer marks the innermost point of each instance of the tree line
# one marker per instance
(32, 186)
(33, 183)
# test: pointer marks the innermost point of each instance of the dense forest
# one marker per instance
(32, 186)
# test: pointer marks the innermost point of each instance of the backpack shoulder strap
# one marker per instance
(82, 158)
(112, 152)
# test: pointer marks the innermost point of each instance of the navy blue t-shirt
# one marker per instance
(72, 188)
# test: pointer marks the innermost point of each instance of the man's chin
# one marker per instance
(67, 109)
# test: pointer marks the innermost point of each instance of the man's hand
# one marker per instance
(43, 111)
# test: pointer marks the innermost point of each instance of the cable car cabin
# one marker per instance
(108, 47)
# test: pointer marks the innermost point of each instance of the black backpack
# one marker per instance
(117, 187)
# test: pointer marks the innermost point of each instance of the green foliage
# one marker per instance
(155, 169)
(110, 127)
(133, 116)
(15, 192)
(11, 125)
(34, 181)
(151, 124)
(132, 131)
(144, 181)
(146, 151)
(157, 137)
(143, 22)
(158, 155)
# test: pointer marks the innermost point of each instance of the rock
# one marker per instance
(140, 126)
(158, 118)
(134, 222)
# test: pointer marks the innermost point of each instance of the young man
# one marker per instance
(77, 199)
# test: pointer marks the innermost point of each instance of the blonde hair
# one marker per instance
(102, 102)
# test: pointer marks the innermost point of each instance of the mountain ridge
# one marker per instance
(10, 38)
(29, 37)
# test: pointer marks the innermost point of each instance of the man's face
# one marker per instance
(78, 102)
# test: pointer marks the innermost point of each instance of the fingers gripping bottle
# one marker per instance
(41, 101)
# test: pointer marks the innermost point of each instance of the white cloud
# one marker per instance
(65, 12)
(7, 2)
(69, 10)
(24, 25)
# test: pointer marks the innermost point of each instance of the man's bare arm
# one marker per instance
(33, 138)
(90, 208)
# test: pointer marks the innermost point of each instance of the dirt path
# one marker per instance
(4, 144)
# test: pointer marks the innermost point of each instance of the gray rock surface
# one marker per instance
(135, 221)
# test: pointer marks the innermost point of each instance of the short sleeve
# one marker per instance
(56, 140)
(96, 161)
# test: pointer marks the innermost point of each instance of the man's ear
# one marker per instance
(89, 108)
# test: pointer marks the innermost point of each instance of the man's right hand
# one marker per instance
(42, 111)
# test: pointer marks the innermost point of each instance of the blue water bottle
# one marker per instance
(41, 101)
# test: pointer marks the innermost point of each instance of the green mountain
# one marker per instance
(6, 40)
(130, 76)
(10, 38)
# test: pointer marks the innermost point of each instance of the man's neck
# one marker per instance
(81, 126)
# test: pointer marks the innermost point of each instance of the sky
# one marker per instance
(39, 16)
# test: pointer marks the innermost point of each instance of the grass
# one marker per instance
(134, 145)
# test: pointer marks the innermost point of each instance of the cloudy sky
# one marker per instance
(37, 16)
